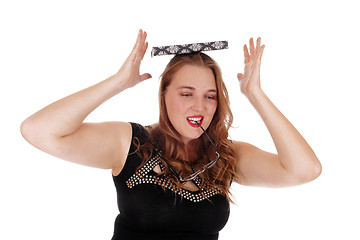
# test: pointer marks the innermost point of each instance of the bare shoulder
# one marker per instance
(126, 146)
(245, 153)
(243, 149)
(122, 131)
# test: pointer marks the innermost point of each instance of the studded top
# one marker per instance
(153, 207)
(144, 176)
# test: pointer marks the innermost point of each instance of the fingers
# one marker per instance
(136, 46)
(258, 43)
(255, 51)
(259, 48)
(246, 54)
(262, 50)
(143, 50)
(140, 46)
(251, 44)
(143, 44)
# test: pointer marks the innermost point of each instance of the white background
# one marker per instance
(49, 49)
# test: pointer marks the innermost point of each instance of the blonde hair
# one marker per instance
(165, 135)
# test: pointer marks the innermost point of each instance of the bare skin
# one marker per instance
(295, 162)
(59, 130)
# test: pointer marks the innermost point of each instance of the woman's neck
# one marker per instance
(191, 152)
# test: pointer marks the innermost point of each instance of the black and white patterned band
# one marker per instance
(189, 48)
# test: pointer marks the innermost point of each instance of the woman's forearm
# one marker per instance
(294, 153)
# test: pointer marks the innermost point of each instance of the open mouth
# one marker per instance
(194, 120)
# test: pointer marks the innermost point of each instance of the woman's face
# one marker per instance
(191, 96)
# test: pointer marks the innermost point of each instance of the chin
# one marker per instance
(189, 138)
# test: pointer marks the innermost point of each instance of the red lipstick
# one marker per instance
(193, 119)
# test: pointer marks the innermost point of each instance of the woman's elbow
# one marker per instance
(314, 170)
(317, 170)
(29, 131)
(25, 129)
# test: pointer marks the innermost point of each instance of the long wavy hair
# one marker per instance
(164, 137)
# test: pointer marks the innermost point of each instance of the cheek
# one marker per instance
(212, 108)
(174, 108)
(177, 105)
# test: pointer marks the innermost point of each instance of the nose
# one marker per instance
(198, 104)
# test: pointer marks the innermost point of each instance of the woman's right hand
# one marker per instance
(129, 73)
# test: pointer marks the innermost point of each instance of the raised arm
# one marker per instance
(58, 129)
(295, 162)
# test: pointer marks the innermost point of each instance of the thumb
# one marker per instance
(145, 76)
(240, 76)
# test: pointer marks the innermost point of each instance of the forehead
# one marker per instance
(194, 76)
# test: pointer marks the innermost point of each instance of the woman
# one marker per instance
(172, 178)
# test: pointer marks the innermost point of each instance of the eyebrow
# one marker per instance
(192, 88)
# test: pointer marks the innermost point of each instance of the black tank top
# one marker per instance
(152, 207)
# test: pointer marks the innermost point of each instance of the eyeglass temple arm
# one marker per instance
(208, 137)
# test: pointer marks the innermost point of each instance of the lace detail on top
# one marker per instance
(142, 176)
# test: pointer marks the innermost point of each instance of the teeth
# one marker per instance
(194, 120)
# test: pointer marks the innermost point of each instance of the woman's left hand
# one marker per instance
(250, 79)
